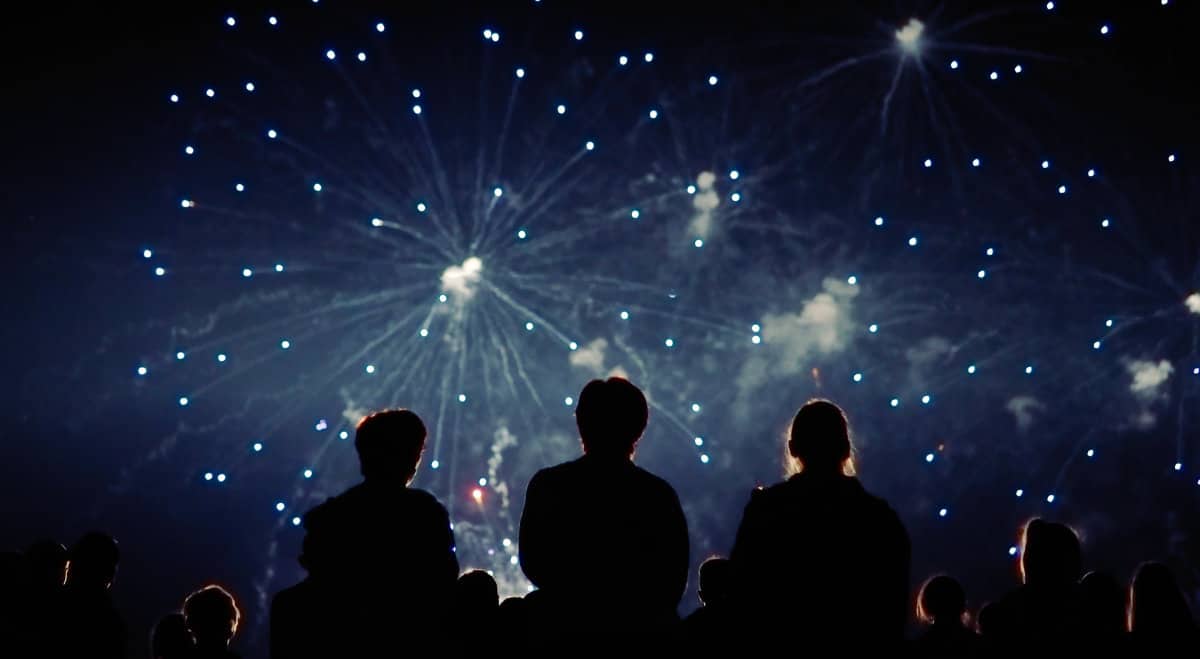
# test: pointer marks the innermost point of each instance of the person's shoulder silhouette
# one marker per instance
(942, 607)
(307, 621)
(817, 554)
(603, 538)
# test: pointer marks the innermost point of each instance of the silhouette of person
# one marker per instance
(1159, 617)
(87, 622)
(1045, 611)
(1103, 614)
(379, 555)
(212, 616)
(47, 561)
(476, 606)
(709, 626)
(942, 605)
(604, 540)
(512, 622)
(817, 556)
(170, 638)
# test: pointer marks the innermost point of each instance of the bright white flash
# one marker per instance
(909, 36)
(462, 281)
(1193, 303)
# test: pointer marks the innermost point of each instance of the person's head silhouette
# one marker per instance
(942, 601)
(1157, 606)
(476, 593)
(212, 616)
(819, 439)
(512, 620)
(611, 415)
(93, 561)
(1051, 554)
(389, 445)
(716, 580)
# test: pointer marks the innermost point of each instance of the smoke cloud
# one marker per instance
(822, 326)
(1025, 410)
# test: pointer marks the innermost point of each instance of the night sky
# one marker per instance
(974, 225)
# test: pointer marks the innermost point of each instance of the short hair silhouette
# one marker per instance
(212, 616)
(716, 580)
(1157, 606)
(389, 444)
(611, 415)
(93, 560)
(1051, 553)
(819, 438)
(170, 638)
(941, 599)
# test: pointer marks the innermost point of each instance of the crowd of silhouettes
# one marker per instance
(817, 561)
